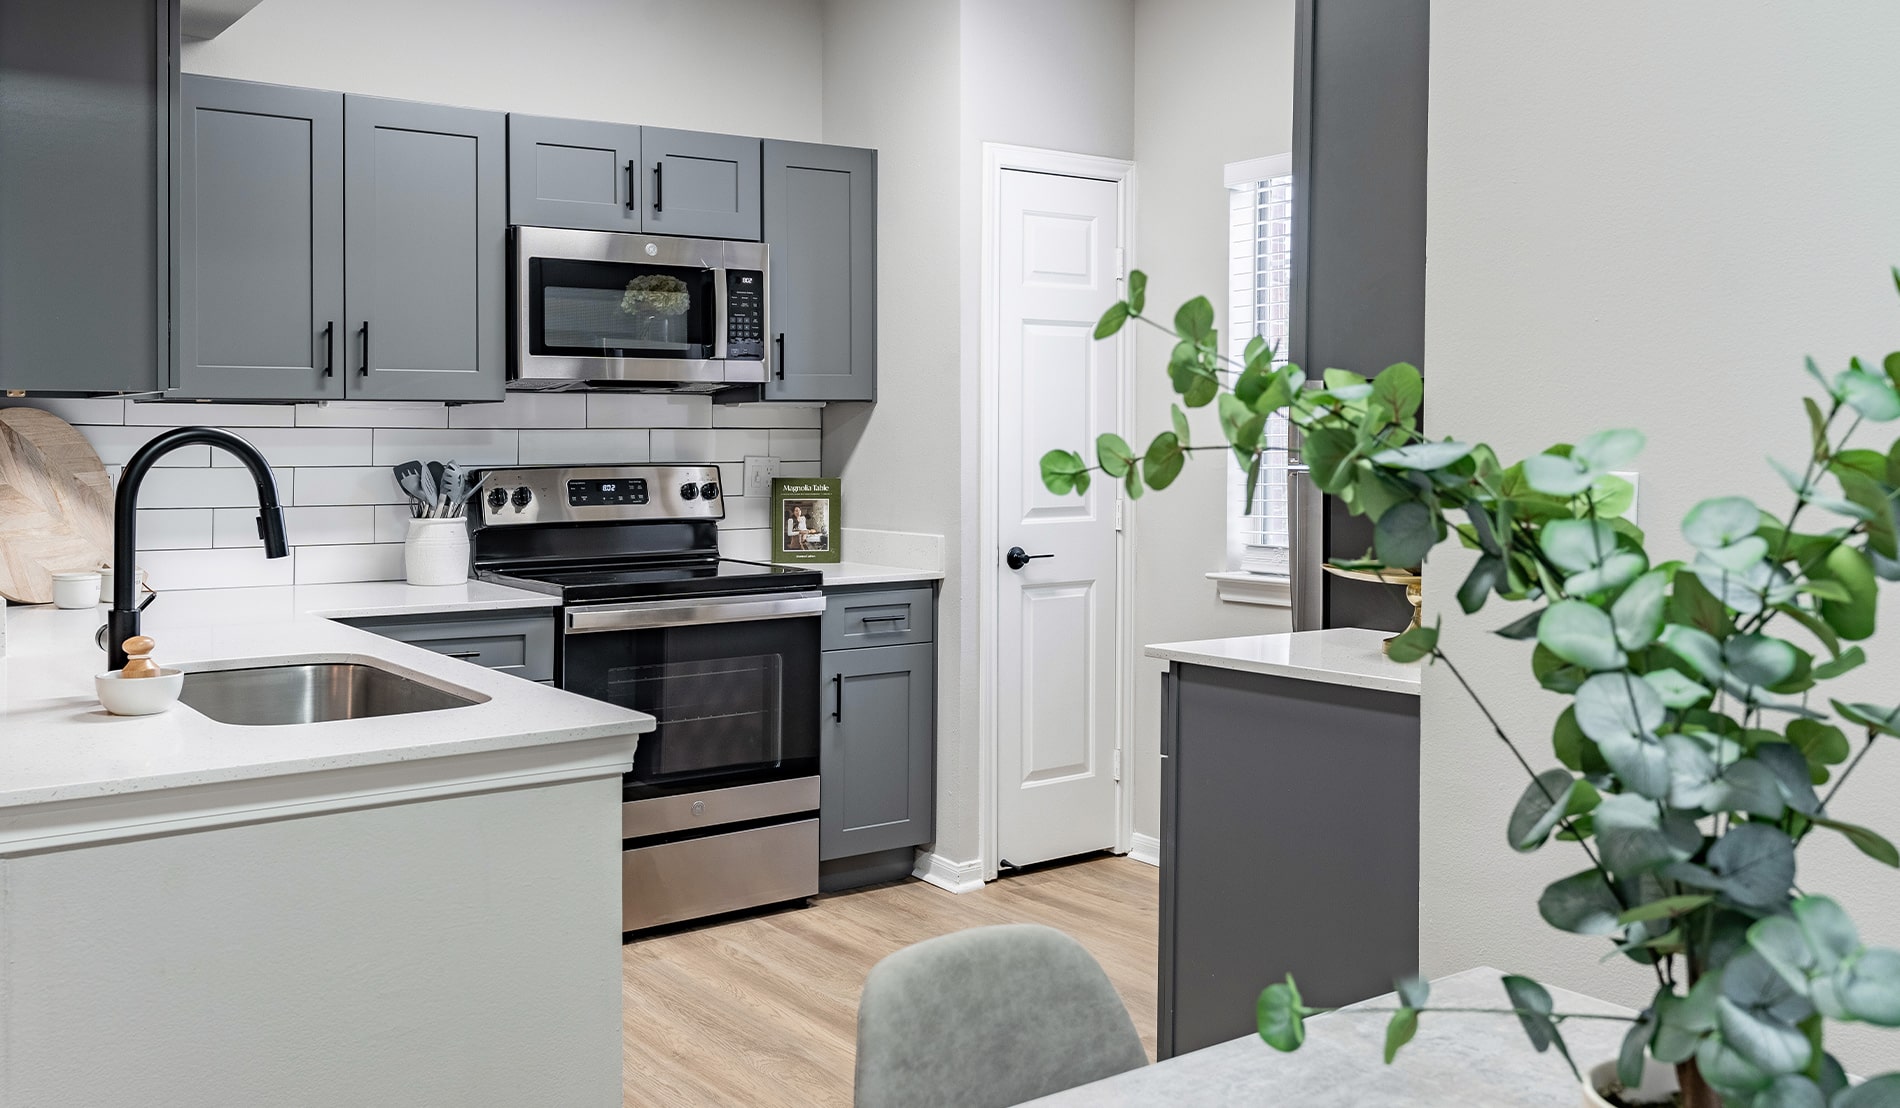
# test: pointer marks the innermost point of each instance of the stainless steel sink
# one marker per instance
(315, 692)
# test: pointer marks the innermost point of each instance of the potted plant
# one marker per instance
(1689, 755)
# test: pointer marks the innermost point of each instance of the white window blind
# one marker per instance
(1260, 256)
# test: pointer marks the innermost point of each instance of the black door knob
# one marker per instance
(1017, 557)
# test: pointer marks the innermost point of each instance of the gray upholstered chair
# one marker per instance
(989, 1017)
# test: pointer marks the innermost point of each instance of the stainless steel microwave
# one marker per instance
(655, 313)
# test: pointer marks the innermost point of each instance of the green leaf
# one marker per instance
(1162, 463)
(1399, 1031)
(1852, 658)
(1757, 1014)
(1853, 620)
(1721, 521)
(1524, 627)
(1194, 322)
(1696, 647)
(1791, 1090)
(1532, 1003)
(1114, 454)
(1676, 691)
(1413, 991)
(1413, 644)
(1404, 535)
(1868, 494)
(1881, 1092)
(1621, 713)
(1822, 744)
(1868, 842)
(1582, 904)
(1555, 475)
(1638, 613)
(1869, 987)
(1180, 420)
(1329, 452)
(1666, 908)
(1112, 319)
(1611, 495)
(1402, 390)
(1617, 570)
(1871, 396)
(1280, 1016)
(1063, 471)
(1137, 291)
(1423, 455)
(1485, 576)
(1629, 1058)
(1574, 749)
(1552, 796)
(1682, 1021)
(1817, 426)
(1692, 605)
(1577, 544)
(1815, 625)
(1131, 483)
(1635, 836)
(1608, 449)
(1874, 717)
(1755, 865)
(1581, 634)
(1758, 659)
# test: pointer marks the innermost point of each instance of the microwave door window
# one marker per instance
(620, 310)
(718, 716)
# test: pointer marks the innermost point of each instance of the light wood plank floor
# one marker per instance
(763, 1010)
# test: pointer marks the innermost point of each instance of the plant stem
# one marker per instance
(1849, 769)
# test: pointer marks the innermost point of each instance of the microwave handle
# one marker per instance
(630, 206)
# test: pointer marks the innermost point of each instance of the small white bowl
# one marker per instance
(76, 590)
(139, 696)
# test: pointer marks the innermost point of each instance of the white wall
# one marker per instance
(741, 66)
(1191, 118)
(1643, 215)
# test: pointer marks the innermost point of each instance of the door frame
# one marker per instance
(998, 157)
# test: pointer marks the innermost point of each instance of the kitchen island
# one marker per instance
(418, 908)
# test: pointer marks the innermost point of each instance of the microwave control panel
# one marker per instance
(745, 314)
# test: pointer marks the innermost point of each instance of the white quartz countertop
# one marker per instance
(1336, 656)
(57, 745)
(866, 573)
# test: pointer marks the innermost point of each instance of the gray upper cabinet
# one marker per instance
(426, 220)
(86, 96)
(820, 209)
(259, 252)
(574, 173)
(699, 184)
(877, 750)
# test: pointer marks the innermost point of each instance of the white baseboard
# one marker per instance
(1145, 848)
(957, 877)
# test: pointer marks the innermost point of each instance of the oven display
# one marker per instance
(609, 491)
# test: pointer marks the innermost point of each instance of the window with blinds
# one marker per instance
(1260, 257)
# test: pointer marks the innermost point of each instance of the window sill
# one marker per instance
(1253, 588)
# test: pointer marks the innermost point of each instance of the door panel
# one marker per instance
(876, 751)
(260, 242)
(424, 245)
(699, 184)
(1056, 707)
(821, 227)
(573, 173)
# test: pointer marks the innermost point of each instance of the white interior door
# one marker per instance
(1057, 269)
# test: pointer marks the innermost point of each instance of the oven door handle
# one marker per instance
(690, 613)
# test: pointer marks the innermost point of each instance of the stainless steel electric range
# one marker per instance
(720, 811)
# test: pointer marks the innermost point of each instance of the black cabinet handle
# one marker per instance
(1017, 557)
(659, 184)
(778, 363)
(329, 349)
(364, 332)
(630, 184)
(837, 690)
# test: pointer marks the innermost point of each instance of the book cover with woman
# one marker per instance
(806, 510)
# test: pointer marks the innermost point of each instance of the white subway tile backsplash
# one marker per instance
(592, 447)
(174, 528)
(153, 414)
(304, 446)
(348, 485)
(302, 526)
(794, 446)
(749, 546)
(799, 469)
(767, 415)
(469, 446)
(525, 409)
(747, 511)
(116, 445)
(228, 568)
(707, 446)
(635, 409)
(320, 565)
(372, 413)
(75, 410)
(208, 488)
(391, 522)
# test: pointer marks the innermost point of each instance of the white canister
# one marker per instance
(76, 590)
(436, 551)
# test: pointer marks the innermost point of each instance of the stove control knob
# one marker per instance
(709, 491)
(689, 491)
(497, 499)
(522, 497)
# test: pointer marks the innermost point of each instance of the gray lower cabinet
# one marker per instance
(425, 227)
(259, 194)
(521, 643)
(1269, 864)
(86, 101)
(699, 184)
(573, 173)
(820, 223)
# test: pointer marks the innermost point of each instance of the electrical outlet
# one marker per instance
(759, 472)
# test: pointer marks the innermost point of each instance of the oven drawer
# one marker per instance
(691, 878)
(882, 617)
(521, 644)
(708, 808)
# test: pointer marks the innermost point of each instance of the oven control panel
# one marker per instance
(604, 494)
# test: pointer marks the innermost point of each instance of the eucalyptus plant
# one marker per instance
(1688, 758)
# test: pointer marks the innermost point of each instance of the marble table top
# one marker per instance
(1466, 1061)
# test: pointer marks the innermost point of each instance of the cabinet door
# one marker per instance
(86, 97)
(877, 750)
(821, 226)
(699, 184)
(425, 223)
(573, 173)
(260, 242)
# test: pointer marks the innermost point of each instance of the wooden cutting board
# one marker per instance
(55, 504)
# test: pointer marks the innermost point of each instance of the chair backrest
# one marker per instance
(989, 1017)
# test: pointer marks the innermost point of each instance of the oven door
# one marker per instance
(732, 682)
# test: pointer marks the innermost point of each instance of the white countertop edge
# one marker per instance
(1351, 656)
(358, 600)
(866, 573)
(67, 820)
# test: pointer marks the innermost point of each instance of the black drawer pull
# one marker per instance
(837, 688)
(884, 619)
(659, 184)
(461, 653)
(630, 184)
(329, 349)
(365, 333)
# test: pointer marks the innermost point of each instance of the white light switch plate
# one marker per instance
(759, 472)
